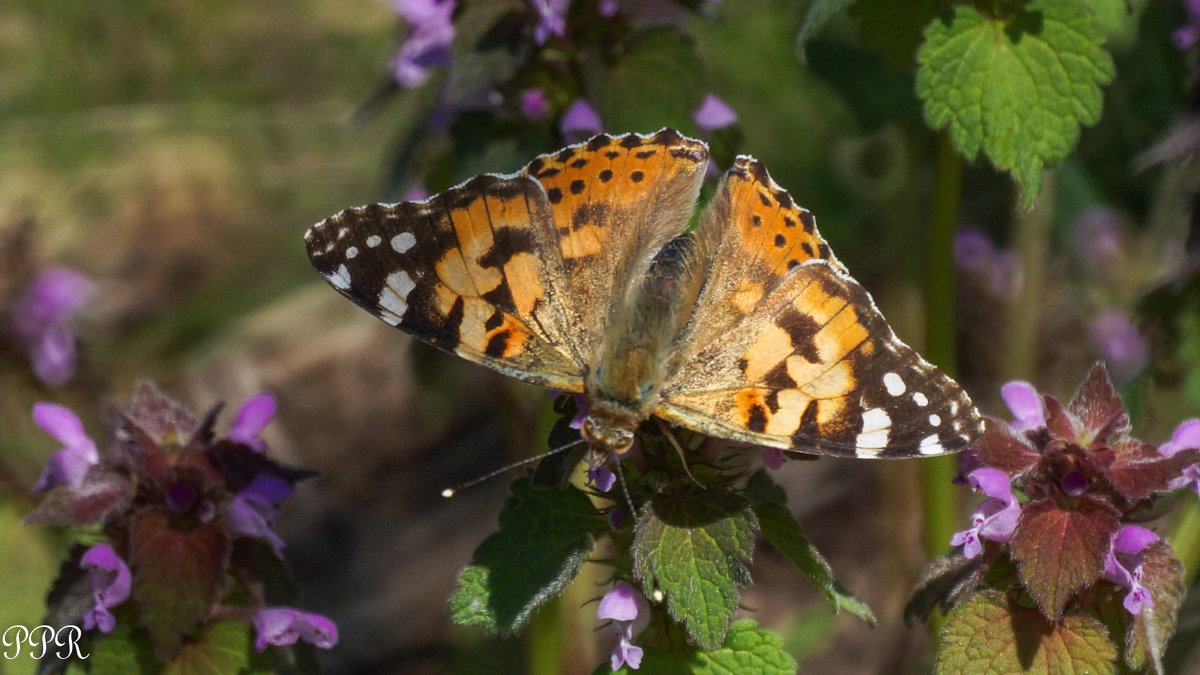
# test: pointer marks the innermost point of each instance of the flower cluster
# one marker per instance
(185, 513)
(1072, 478)
(40, 316)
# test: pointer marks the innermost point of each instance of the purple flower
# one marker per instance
(42, 317)
(1187, 34)
(772, 457)
(111, 583)
(580, 121)
(1026, 406)
(1186, 436)
(996, 517)
(999, 270)
(552, 19)
(630, 614)
(714, 113)
(282, 626)
(69, 465)
(1098, 238)
(1123, 566)
(1118, 342)
(253, 417)
(601, 478)
(534, 104)
(608, 8)
(252, 511)
(428, 43)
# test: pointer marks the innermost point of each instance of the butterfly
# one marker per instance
(580, 273)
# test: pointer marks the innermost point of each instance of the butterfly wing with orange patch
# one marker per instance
(787, 350)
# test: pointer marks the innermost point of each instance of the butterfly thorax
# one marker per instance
(626, 374)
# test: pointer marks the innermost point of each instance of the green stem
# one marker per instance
(1185, 539)
(544, 640)
(1032, 244)
(940, 498)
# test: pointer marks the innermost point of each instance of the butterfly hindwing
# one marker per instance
(471, 271)
(787, 350)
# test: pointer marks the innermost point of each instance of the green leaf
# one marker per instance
(746, 649)
(991, 634)
(1017, 88)
(222, 647)
(120, 652)
(1162, 574)
(177, 575)
(690, 545)
(1058, 552)
(657, 81)
(946, 580)
(487, 46)
(544, 538)
(819, 13)
(784, 533)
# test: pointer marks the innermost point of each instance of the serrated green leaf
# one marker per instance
(991, 634)
(785, 534)
(946, 579)
(746, 649)
(176, 576)
(819, 13)
(120, 652)
(1162, 575)
(1060, 551)
(544, 538)
(223, 647)
(691, 546)
(1015, 89)
(657, 81)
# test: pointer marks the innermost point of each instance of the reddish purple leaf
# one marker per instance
(1002, 449)
(1149, 631)
(1097, 407)
(177, 575)
(1139, 471)
(159, 416)
(1058, 552)
(103, 492)
(1062, 424)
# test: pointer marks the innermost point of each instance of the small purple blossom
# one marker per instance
(601, 478)
(42, 319)
(996, 517)
(428, 43)
(1123, 566)
(1098, 238)
(111, 582)
(252, 511)
(253, 417)
(1026, 406)
(581, 411)
(998, 269)
(1186, 436)
(630, 614)
(608, 8)
(714, 113)
(772, 458)
(1118, 342)
(1188, 33)
(69, 465)
(552, 19)
(282, 626)
(534, 103)
(580, 121)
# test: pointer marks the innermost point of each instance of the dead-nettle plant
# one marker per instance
(177, 561)
(1059, 569)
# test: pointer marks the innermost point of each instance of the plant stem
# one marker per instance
(1031, 241)
(940, 498)
(1185, 539)
(544, 640)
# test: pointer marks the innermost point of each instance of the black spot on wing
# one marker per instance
(801, 329)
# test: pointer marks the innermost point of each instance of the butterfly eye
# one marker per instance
(588, 428)
(623, 443)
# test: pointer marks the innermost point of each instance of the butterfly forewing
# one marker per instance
(471, 271)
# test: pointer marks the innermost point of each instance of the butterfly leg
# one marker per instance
(678, 448)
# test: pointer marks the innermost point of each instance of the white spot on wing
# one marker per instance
(403, 241)
(342, 233)
(374, 240)
(874, 436)
(352, 253)
(935, 420)
(894, 383)
(920, 399)
(340, 279)
(931, 445)
(393, 299)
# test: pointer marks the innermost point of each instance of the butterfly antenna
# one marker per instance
(450, 492)
(625, 490)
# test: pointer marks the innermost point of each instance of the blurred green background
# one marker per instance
(176, 152)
